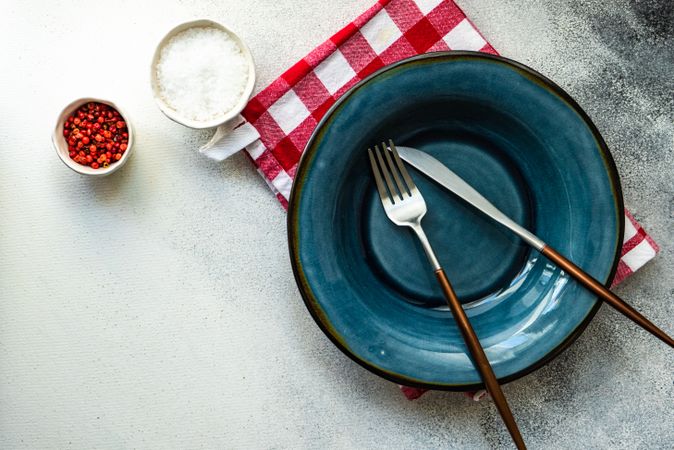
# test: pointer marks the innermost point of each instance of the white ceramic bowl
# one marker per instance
(225, 117)
(61, 145)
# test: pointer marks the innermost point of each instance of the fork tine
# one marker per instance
(410, 183)
(401, 187)
(378, 180)
(387, 176)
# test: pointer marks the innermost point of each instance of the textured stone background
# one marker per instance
(157, 308)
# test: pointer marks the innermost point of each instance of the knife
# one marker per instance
(442, 175)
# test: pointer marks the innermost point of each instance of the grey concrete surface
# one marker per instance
(157, 308)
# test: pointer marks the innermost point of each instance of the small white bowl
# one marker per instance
(227, 116)
(61, 144)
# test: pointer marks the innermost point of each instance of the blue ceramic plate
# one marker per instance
(519, 140)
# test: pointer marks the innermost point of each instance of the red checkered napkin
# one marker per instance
(280, 119)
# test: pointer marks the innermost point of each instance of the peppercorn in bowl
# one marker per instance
(93, 137)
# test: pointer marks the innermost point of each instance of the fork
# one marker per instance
(406, 207)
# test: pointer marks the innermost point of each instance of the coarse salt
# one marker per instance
(202, 73)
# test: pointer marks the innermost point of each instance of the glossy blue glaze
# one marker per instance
(520, 141)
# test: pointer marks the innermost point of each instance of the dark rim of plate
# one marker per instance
(293, 217)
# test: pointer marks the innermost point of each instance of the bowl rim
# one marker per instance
(175, 115)
(60, 144)
(293, 221)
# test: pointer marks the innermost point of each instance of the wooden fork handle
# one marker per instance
(604, 294)
(479, 358)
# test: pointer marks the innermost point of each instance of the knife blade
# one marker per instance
(442, 175)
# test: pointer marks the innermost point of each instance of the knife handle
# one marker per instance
(604, 294)
(479, 358)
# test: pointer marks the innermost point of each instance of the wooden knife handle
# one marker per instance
(479, 358)
(603, 293)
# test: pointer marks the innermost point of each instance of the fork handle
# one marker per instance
(604, 294)
(479, 358)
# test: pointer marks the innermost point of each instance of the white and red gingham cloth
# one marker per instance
(280, 119)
